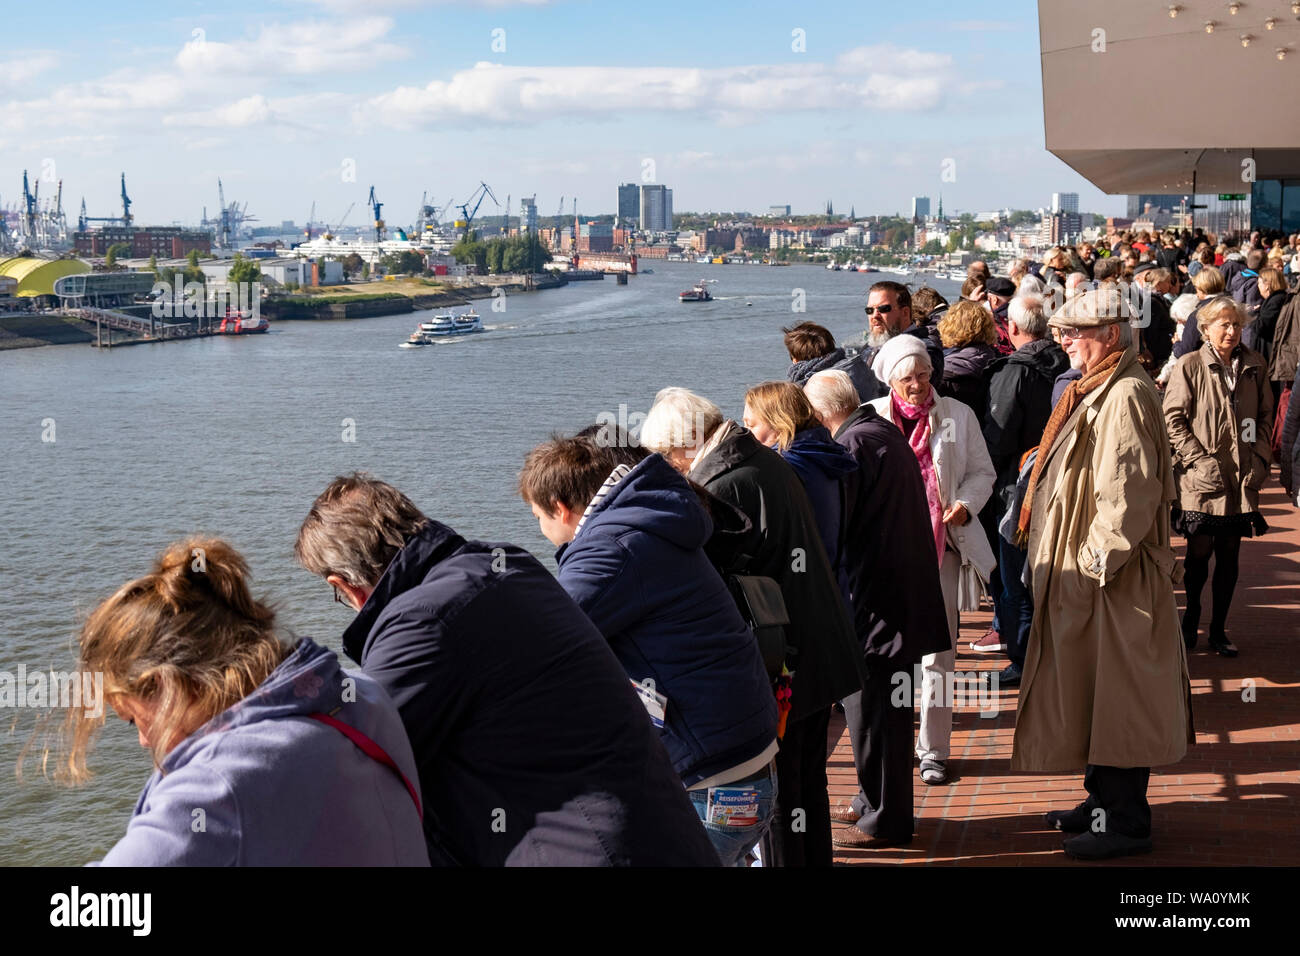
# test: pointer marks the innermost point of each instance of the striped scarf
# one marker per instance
(618, 474)
(1069, 401)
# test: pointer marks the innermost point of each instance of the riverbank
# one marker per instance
(33, 330)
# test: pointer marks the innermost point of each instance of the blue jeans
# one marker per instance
(733, 843)
(1016, 611)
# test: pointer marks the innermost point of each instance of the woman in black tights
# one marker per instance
(1219, 414)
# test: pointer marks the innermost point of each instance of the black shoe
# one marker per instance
(1220, 644)
(1191, 622)
(1104, 846)
(1009, 676)
(1070, 821)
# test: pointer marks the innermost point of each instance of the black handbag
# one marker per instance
(762, 606)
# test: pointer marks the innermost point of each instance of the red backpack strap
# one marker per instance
(373, 751)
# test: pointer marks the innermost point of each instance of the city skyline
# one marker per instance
(295, 102)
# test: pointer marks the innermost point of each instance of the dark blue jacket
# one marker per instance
(821, 464)
(638, 568)
(857, 369)
(531, 744)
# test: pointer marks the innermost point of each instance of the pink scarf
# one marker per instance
(920, 442)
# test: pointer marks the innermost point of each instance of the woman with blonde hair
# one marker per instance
(284, 759)
(1219, 413)
(781, 417)
(969, 335)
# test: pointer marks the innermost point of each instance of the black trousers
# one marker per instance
(882, 740)
(803, 805)
(1122, 793)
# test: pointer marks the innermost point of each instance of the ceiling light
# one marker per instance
(1295, 8)
(1245, 39)
(1209, 26)
(1270, 23)
(1173, 10)
(1281, 54)
(1233, 8)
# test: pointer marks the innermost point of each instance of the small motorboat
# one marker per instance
(699, 293)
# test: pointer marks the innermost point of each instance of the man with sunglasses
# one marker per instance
(889, 313)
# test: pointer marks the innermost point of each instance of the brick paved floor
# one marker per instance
(1233, 800)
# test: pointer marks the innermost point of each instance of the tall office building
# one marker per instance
(1065, 202)
(528, 214)
(920, 207)
(656, 208)
(629, 204)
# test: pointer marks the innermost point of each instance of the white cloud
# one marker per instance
(18, 70)
(318, 46)
(873, 78)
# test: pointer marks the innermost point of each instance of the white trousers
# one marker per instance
(936, 707)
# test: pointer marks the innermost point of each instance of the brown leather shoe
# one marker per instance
(844, 813)
(854, 839)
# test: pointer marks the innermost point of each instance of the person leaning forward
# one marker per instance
(1105, 684)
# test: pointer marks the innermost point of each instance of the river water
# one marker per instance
(235, 437)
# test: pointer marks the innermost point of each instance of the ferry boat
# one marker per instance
(447, 324)
(237, 322)
(700, 293)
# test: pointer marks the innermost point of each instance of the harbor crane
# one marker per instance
(83, 219)
(467, 214)
(330, 233)
(377, 208)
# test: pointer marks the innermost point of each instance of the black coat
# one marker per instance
(784, 544)
(929, 334)
(1158, 335)
(532, 746)
(1266, 324)
(889, 557)
(1020, 401)
(966, 373)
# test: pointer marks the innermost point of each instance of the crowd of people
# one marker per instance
(722, 586)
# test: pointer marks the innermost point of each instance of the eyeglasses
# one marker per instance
(1069, 332)
(338, 598)
(882, 309)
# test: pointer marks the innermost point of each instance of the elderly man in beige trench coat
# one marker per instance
(1105, 684)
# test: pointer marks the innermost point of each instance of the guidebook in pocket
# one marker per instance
(732, 806)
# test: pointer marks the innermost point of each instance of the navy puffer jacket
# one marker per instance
(637, 567)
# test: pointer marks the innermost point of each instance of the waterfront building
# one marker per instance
(142, 242)
(1065, 202)
(1240, 153)
(596, 237)
(656, 208)
(528, 214)
(629, 204)
(34, 276)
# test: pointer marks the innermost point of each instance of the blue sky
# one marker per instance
(284, 99)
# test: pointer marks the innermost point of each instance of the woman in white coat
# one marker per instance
(949, 446)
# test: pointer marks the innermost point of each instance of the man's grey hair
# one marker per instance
(355, 528)
(1028, 314)
(831, 393)
(679, 419)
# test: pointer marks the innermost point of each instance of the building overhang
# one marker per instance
(1213, 116)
